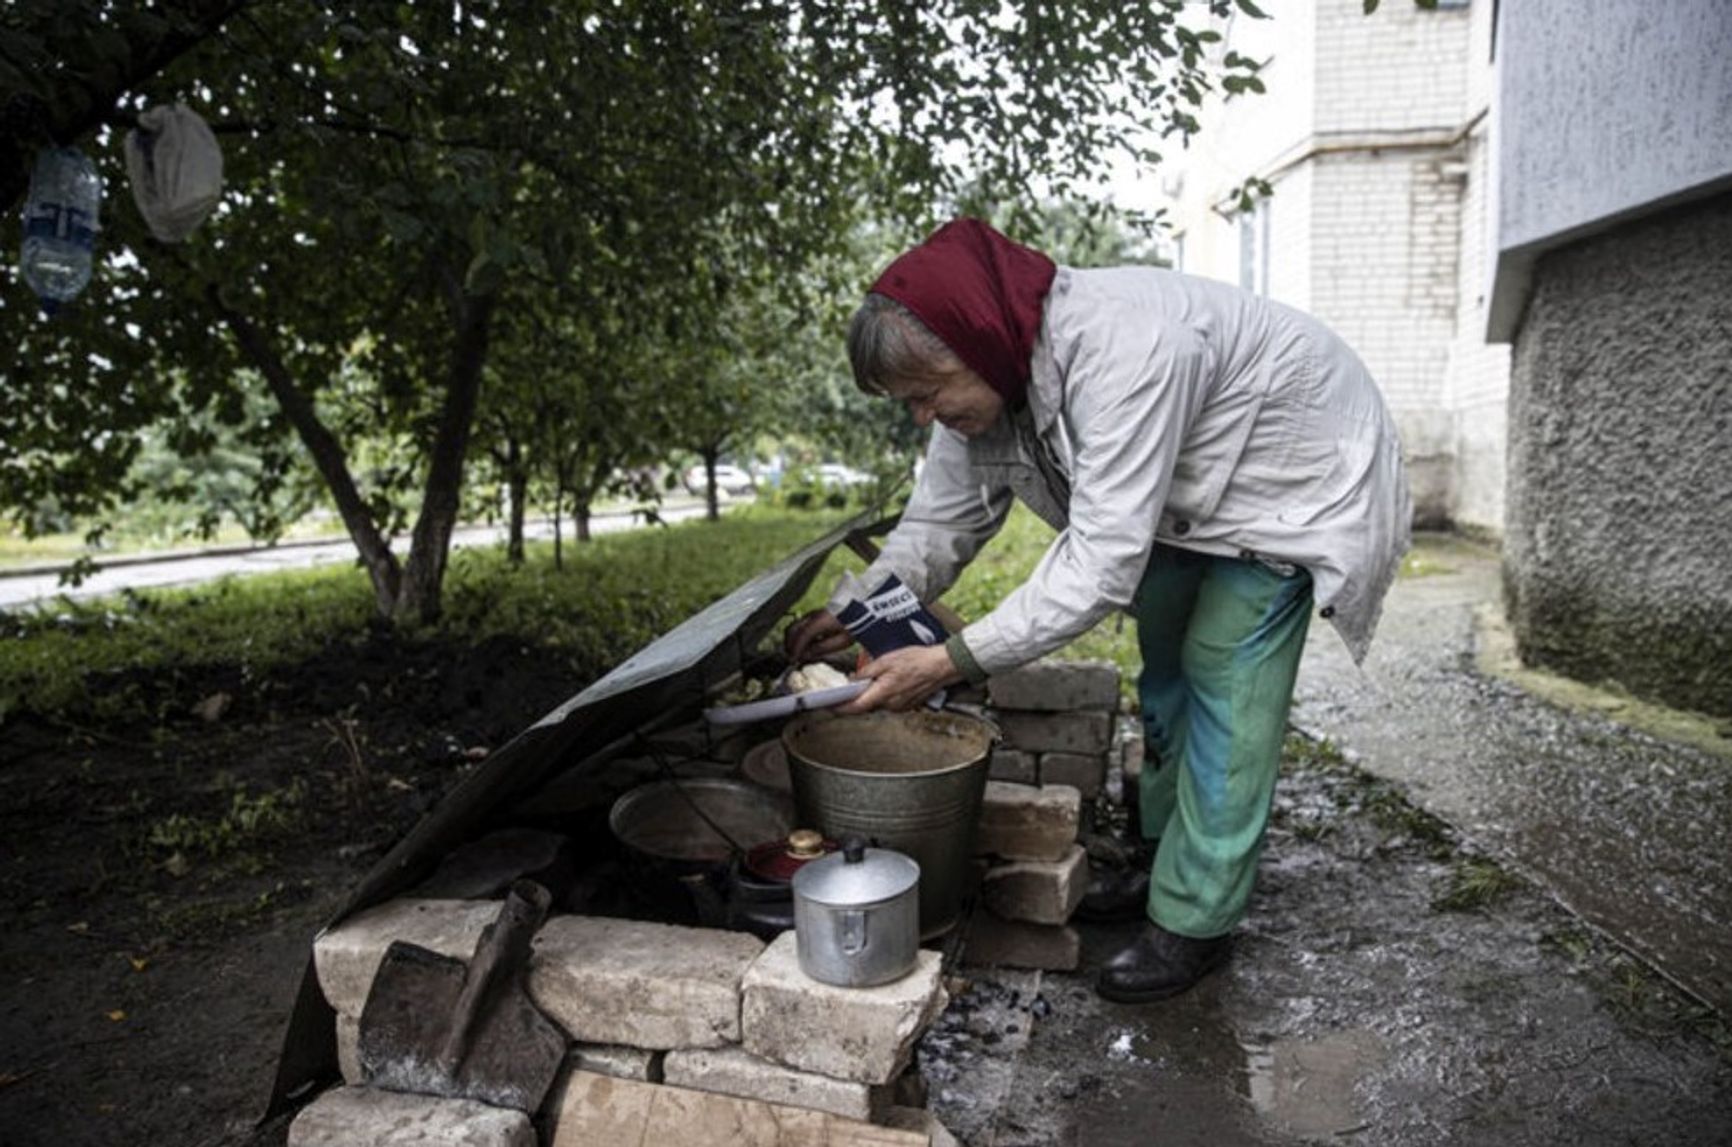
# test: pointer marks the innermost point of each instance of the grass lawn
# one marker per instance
(611, 597)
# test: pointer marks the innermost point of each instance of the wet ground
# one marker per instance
(1490, 977)
(1631, 830)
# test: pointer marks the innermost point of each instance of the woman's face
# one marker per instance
(960, 400)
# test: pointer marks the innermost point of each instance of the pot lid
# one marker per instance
(778, 860)
(857, 876)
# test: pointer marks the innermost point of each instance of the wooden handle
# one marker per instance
(499, 954)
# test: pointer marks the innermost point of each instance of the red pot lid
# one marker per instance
(780, 859)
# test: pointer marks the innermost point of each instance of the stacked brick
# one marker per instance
(1058, 724)
(679, 1034)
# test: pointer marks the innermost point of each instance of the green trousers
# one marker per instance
(1220, 641)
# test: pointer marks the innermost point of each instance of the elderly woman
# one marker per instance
(1214, 463)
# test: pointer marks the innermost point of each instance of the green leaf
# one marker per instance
(1251, 10)
(1370, 6)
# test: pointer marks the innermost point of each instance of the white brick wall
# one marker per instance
(1398, 69)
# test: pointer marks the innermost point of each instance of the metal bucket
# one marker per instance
(908, 781)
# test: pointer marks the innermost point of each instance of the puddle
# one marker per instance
(1309, 1087)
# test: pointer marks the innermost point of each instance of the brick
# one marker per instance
(355, 1116)
(1038, 891)
(923, 1121)
(1013, 944)
(860, 1034)
(1056, 732)
(1057, 687)
(656, 986)
(603, 1111)
(731, 1071)
(1014, 766)
(1023, 822)
(348, 956)
(616, 1060)
(349, 1049)
(1084, 772)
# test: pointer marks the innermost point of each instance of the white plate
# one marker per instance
(772, 707)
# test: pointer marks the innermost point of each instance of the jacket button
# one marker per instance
(1326, 612)
(1181, 527)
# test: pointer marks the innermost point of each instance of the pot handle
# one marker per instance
(852, 924)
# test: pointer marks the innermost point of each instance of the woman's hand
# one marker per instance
(903, 678)
(817, 634)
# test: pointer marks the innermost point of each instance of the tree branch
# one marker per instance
(81, 105)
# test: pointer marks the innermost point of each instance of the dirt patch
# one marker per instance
(162, 881)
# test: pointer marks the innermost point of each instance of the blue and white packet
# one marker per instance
(889, 617)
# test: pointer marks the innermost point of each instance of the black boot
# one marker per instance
(1119, 869)
(1118, 891)
(1159, 964)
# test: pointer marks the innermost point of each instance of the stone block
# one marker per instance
(1038, 891)
(1083, 772)
(1056, 732)
(347, 957)
(1057, 687)
(1025, 822)
(731, 1071)
(920, 1120)
(365, 1117)
(860, 1034)
(600, 1112)
(483, 869)
(349, 1049)
(1014, 766)
(1014, 944)
(656, 986)
(616, 1060)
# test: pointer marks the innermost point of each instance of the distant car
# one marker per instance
(730, 480)
(836, 474)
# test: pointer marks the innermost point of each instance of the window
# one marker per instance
(1254, 248)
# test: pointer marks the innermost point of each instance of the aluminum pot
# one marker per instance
(857, 916)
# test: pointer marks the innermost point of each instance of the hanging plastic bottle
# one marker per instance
(60, 225)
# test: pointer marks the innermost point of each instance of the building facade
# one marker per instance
(1374, 140)
(1520, 215)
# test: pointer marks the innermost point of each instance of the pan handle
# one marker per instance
(500, 954)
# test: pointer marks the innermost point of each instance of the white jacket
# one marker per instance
(1174, 409)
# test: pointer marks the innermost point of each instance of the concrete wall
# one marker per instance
(1618, 551)
(1476, 376)
(1605, 111)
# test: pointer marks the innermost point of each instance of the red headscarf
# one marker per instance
(981, 294)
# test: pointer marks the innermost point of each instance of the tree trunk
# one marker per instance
(580, 517)
(430, 543)
(517, 483)
(712, 504)
(558, 530)
(327, 453)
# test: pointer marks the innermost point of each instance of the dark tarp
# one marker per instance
(670, 677)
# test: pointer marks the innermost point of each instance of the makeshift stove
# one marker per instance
(671, 997)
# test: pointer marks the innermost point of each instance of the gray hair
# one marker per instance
(886, 344)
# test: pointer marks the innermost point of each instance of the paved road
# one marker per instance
(27, 589)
